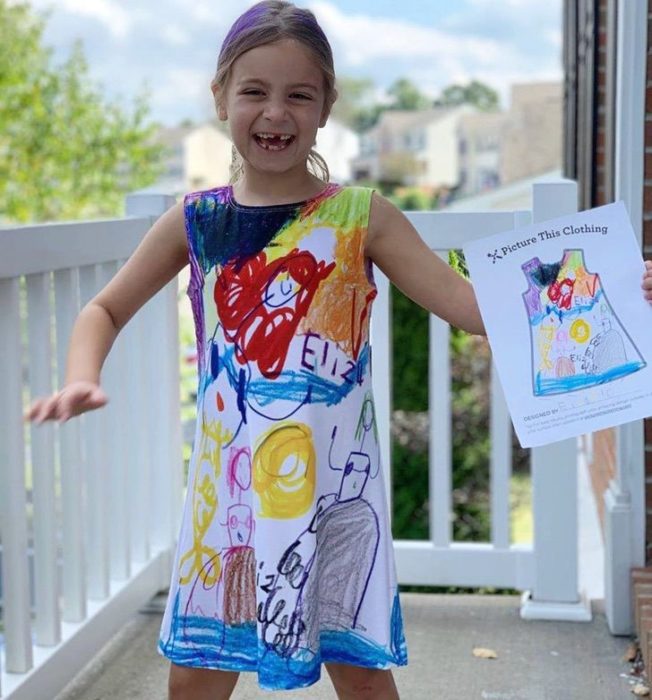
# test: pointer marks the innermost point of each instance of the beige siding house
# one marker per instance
(206, 157)
(480, 145)
(408, 147)
(533, 138)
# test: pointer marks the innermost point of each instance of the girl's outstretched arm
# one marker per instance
(398, 250)
(158, 258)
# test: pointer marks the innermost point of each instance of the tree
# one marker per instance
(406, 95)
(474, 93)
(354, 105)
(65, 151)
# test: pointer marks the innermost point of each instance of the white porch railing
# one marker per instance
(93, 541)
(106, 488)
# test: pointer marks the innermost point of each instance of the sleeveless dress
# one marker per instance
(577, 340)
(285, 557)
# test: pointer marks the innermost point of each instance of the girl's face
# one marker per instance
(274, 91)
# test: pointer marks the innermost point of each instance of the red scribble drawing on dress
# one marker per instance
(261, 305)
(561, 293)
(359, 312)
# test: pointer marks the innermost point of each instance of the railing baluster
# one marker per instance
(13, 499)
(47, 625)
(138, 454)
(154, 386)
(116, 478)
(440, 448)
(96, 474)
(66, 288)
(173, 483)
(500, 468)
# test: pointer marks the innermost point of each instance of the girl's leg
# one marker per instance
(187, 683)
(357, 683)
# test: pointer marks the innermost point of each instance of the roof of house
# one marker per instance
(515, 196)
(403, 119)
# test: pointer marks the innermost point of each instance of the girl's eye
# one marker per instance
(302, 96)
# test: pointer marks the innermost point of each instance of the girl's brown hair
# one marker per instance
(265, 23)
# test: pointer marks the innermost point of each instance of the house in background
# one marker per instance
(206, 157)
(413, 147)
(531, 141)
(463, 149)
(479, 142)
(338, 145)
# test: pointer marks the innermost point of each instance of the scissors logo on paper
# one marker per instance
(494, 256)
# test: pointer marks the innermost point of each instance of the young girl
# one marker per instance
(285, 555)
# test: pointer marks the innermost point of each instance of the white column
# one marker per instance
(625, 497)
(555, 594)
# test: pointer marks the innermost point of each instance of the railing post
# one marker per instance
(555, 592)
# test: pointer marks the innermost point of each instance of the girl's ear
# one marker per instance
(219, 104)
(326, 111)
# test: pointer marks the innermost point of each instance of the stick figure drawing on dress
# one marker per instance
(348, 523)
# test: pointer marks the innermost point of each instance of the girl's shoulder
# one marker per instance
(217, 195)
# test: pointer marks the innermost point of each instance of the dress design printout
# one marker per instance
(285, 555)
(576, 338)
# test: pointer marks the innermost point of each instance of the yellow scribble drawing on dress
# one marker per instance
(284, 471)
(202, 560)
(544, 338)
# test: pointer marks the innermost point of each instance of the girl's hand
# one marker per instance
(75, 398)
(646, 284)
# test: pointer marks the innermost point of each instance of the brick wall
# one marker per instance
(647, 253)
(603, 468)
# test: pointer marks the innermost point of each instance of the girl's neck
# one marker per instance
(255, 191)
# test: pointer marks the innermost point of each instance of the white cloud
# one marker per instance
(356, 37)
(114, 17)
(175, 36)
(183, 85)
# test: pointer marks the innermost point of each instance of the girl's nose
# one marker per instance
(274, 110)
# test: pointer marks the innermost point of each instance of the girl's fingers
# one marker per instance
(69, 402)
(646, 282)
(47, 409)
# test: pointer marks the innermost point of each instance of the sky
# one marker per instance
(170, 47)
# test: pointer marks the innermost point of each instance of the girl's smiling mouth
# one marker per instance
(273, 142)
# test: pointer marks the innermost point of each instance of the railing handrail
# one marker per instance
(33, 249)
